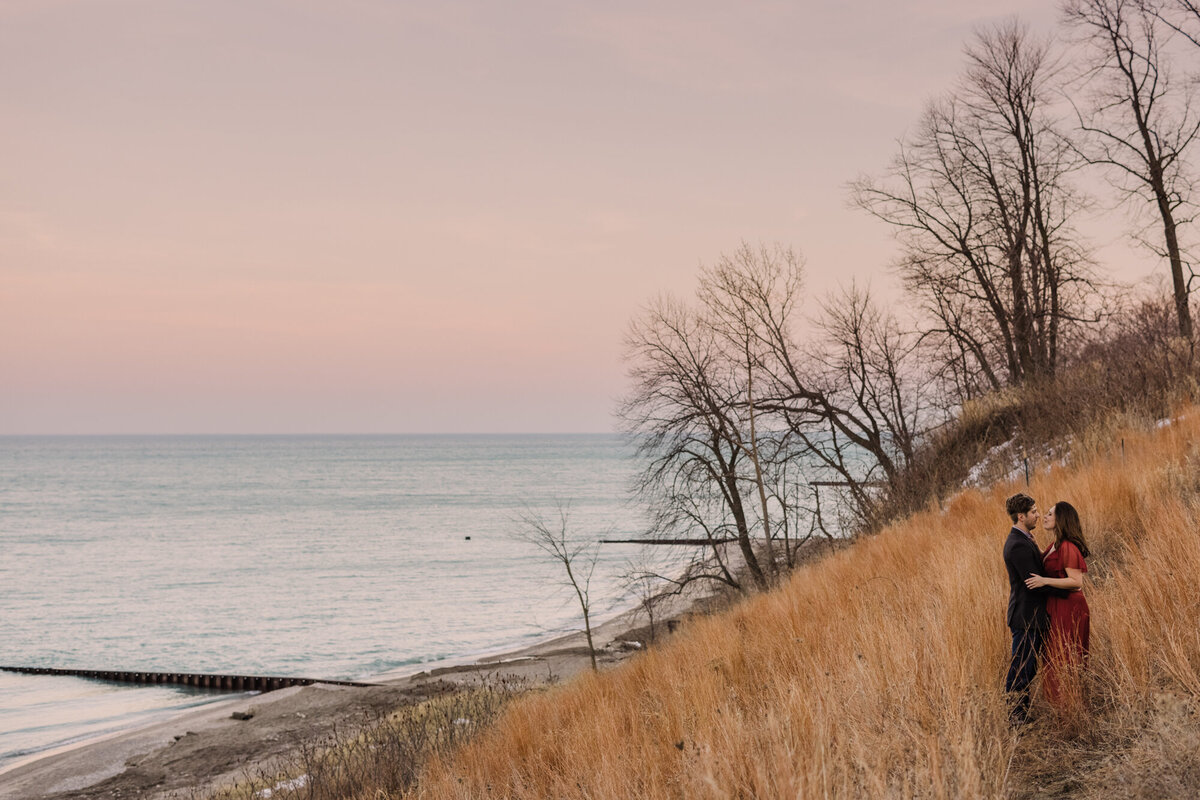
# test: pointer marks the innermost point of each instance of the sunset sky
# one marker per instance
(368, 216)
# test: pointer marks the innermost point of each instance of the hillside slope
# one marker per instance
(878, 671)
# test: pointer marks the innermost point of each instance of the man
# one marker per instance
(1027, 618)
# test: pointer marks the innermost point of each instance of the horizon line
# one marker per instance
(313, 433)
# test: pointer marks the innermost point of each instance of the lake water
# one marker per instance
(315, 556)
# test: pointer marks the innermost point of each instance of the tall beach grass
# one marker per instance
(878, 671)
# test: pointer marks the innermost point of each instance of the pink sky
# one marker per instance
(369, 216)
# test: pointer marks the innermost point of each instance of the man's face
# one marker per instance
(1030, 518)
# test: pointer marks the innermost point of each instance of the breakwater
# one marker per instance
(228, 683)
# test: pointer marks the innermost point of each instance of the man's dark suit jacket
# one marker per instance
(1026, 607)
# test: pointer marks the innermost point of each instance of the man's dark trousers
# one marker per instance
(1026, 646)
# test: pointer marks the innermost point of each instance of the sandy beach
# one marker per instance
(202, 750)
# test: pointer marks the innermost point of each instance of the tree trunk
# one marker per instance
(583, 603)
(758, 475)
(1182, 309)
(744, 542)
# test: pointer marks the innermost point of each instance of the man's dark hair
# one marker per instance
(1019, 503)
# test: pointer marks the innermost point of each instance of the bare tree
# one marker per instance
(1181, 16)
(981, 200)
(577, 557)
(723, 294)
(847, 404)
(646, 584)
(731, 416)
(685, 411)
(792, 493)
(695, 507)
(864, 401)
(1140, 122)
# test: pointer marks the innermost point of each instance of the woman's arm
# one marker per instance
(1074, 580)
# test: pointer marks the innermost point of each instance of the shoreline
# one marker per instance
(201, 749)
(154, 718)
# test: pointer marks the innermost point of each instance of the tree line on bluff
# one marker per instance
(733, 416)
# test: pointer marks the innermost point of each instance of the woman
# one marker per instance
(1067, 645)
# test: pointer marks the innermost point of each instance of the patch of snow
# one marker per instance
(294, 783)
(1010, 465)
(976, 475)
(1016, 472)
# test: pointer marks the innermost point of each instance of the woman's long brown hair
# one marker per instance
(1068, 527)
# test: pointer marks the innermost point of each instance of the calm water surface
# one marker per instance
(318, 556)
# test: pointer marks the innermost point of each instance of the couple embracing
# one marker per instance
(1047, 612)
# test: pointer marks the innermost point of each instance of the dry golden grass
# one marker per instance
(877, 672)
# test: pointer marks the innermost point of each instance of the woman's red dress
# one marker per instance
(1067, 645)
